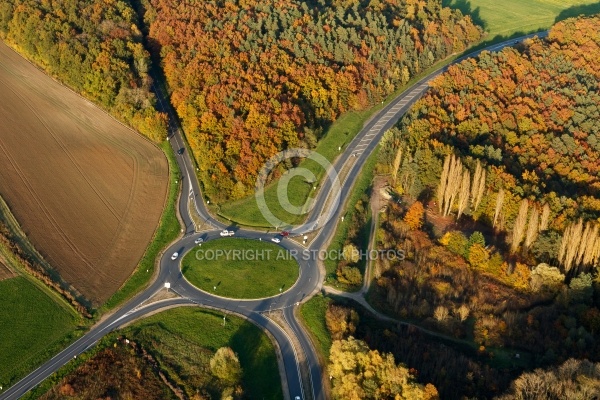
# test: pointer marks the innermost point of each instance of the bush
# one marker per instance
(546, 278)
(349, 275)
(456, 242)
(478, 256)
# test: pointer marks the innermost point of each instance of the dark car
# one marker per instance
(181, 150)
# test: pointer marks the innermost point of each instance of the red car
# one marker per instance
(285, 234)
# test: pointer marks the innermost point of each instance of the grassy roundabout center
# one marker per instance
(240, 268)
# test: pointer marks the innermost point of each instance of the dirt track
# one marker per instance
(86, 190)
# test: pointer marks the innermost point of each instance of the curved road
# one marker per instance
(310, 276)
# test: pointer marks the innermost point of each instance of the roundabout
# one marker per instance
(240, 268)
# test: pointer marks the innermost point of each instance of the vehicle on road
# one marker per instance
(181, 150)
(199, 240)
(285, 234)
(225, 232)
(174, 256)
(276, 240)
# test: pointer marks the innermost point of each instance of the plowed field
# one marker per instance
(87, 191)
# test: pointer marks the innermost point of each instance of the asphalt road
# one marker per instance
(310, 276)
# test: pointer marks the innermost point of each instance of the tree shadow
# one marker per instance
(576, 11)
(246, 342)
(467, 9)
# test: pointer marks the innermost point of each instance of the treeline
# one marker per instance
(250, 78)
(93, 46)
(525, 118)
(39, 269)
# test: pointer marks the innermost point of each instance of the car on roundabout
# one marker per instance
(174, 256)
(275, 240)
(225, 233)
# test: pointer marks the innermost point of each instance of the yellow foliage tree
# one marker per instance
(414, 215)
(478, 256)
(358, 372)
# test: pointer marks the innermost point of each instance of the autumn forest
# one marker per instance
(496, 204)
(251, 78)
(492, 179)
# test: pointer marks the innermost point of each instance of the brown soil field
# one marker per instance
(87, 191)
(5, 272)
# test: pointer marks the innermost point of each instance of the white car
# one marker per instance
(199, 240)
(227, 233)
(276, 240)
(174, 256)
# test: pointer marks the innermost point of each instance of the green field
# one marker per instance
(260, 269)
(313, 315)
(34, 325)
(512, 17)
(167, 231)
(205, 328)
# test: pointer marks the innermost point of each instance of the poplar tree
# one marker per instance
(478, 186)
(532, 228)
(453, 183)
(463, 195)
(396, 164)
(499, 203)
(519, 226)
(569, 245)
(443, 182)
(545, 217)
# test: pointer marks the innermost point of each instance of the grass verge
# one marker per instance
(313, 316)
(167, 231)
(360, 187)
(246, 212)
(240, 268)
(34, 325)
